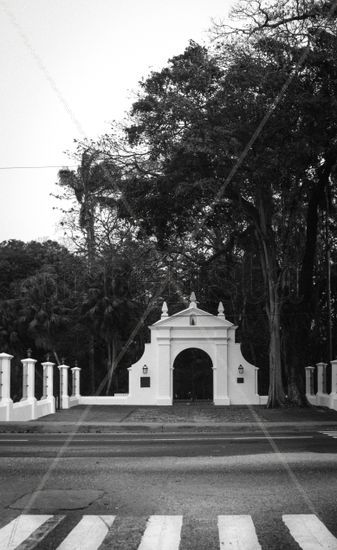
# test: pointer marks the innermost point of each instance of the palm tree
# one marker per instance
(89, 184)
(43, 312)
(108, 308)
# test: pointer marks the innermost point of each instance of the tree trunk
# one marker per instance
(270, 270)
(112, 362)
(296, 386)
(261, 216)
(92, 363)
(297, 316)
(296, 320)
(276, 396)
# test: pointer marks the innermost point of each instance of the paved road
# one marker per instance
(198, 444)
(187, 492)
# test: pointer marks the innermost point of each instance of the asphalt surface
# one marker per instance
(143, 463)
(173, 444)
(264, 486)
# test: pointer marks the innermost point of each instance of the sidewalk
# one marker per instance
(181, 417)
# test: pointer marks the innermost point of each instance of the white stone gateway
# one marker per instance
(151, 379)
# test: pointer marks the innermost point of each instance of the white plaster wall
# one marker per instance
(246, 392)
(119, 399)
(23, 411)
(323, 399)
(5, 411)
(45, 406)
(312, 399)
(333, 402)
(138, 395)
(73, 401)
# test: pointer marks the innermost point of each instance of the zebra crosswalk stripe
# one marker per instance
(20, 529)
(88, 534)
(162, 533)
(309, 532)
(237, 533)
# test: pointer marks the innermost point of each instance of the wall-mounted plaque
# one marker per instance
(145, 381)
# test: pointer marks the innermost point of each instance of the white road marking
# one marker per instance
(162, 533)
(165, 439)
(237, 533)
(330, 433)
(20, 529)
(13, 440)
(88, 534)
(40, 533)
(309, 532)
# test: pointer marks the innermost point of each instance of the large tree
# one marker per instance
(308, 29)
(88, 187)
(233, 133)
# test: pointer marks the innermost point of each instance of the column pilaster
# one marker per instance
(6, 403)
(333, 394)
(64, 397)
(220, 374)
(48, 384)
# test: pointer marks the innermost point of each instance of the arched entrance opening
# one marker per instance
(193, 376)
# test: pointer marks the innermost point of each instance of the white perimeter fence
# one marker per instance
(317, 377)
(31, 408)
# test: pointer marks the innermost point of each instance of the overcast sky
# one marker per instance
(68, 67)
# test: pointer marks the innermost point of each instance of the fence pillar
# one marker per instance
(6, 402)
(48, 384)
(64, 397)
(321, 383)
(28, 385)
(28, 379)
(309, 381)
(75, 371)
(321, 378)
(333, 394)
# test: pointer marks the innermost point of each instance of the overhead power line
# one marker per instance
(37, 167)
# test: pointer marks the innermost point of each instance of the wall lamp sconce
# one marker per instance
(145, 369)
(241, 369)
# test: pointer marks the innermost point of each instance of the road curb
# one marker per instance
(153, 427)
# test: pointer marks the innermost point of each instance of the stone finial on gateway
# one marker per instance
(164, 310)
(221, 310)
(193, 300)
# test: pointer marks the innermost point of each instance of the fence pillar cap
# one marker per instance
(76, 368)
(6, 356)
(63, 367)
(48, 364)
(321, 364)
(29, 360)
(310, 367)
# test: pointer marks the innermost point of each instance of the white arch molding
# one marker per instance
(207, 370)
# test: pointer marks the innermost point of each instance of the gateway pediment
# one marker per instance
(193, 317)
